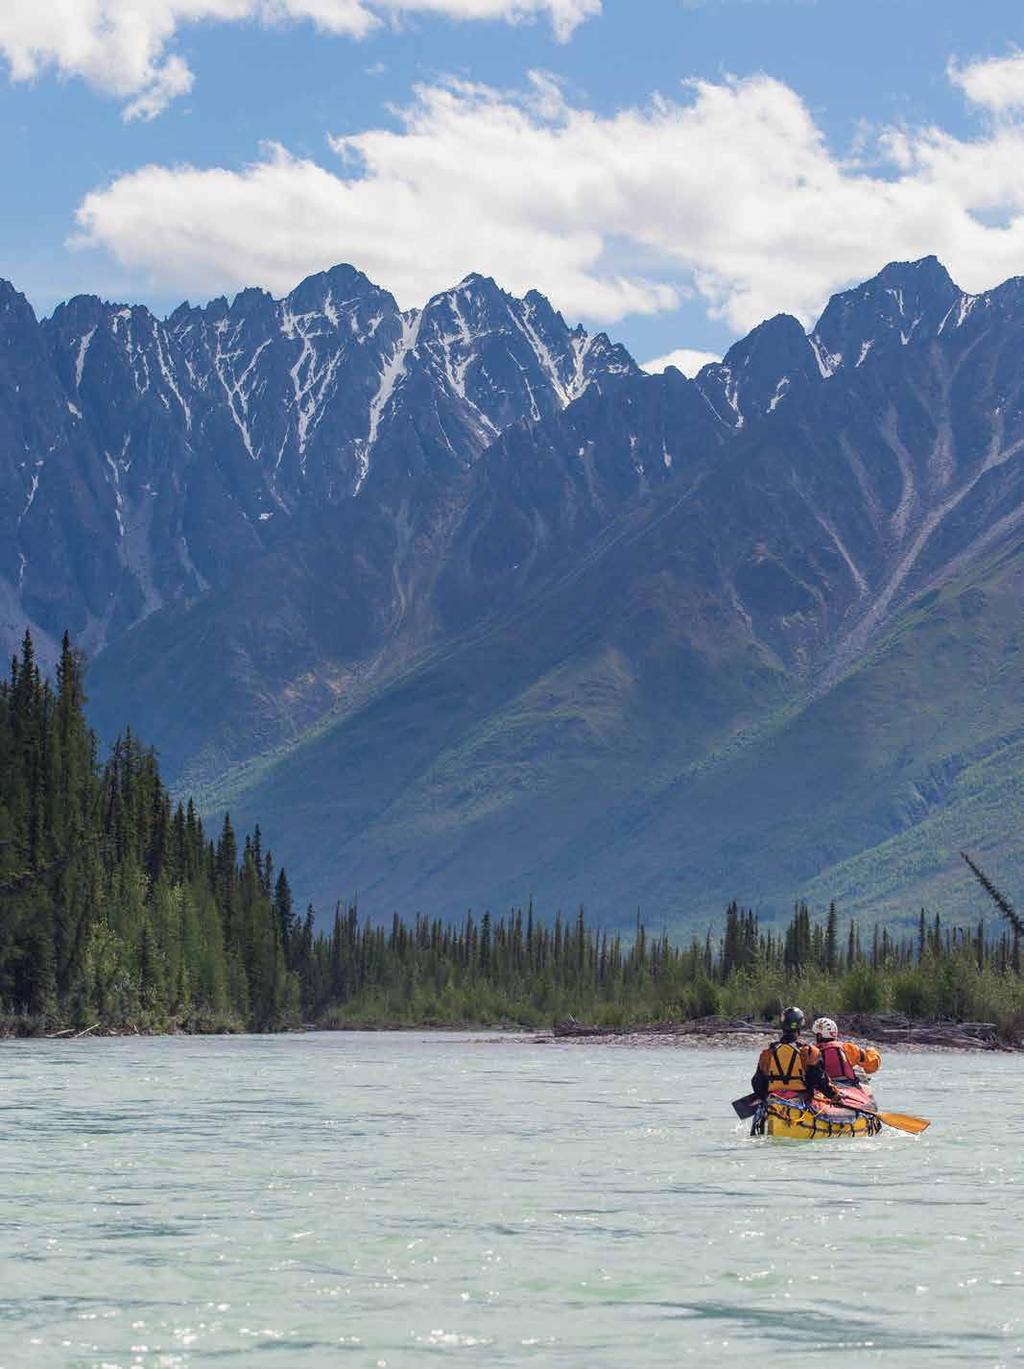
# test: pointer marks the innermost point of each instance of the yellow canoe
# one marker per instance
(796, 1120)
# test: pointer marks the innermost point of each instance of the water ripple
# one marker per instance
(295, 1201)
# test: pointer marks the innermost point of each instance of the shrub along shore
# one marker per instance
(119, 913)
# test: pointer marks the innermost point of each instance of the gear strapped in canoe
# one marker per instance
(796, 1118)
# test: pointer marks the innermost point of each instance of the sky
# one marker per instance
(670, 171)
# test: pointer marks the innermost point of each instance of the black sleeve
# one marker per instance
(759, 1084)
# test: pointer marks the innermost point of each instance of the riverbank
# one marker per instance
(890, 1030)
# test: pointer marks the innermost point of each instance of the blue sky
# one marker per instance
(851, 90)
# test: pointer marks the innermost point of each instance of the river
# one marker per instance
(405, 1200)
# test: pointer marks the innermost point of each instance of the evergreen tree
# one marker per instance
(112, 912)
(832, 940)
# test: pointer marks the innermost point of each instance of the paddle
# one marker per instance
(900, 1121)
(746, 1107)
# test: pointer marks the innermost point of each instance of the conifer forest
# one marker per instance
(119, 911)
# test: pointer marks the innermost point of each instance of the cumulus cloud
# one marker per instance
(121, 46)
(686, 359)
(996, 84)
(730, 191)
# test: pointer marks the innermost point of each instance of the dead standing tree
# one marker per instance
(1002, 903)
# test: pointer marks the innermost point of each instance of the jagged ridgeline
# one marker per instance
(485, 609)
(116, 910)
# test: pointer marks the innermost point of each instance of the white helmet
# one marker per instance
(825, 1028)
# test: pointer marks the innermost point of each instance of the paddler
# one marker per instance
(842, 1059)
(788, 1068)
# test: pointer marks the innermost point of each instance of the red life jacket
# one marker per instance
(837, 1066)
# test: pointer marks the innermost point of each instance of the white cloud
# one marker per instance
(730, 191)
(121, 46)
(996, 83)
(685, 359)
(474, 181)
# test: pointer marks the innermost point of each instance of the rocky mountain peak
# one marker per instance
(252, 301)
(477, 282)
(334, 290)
(14, 307)
(477, 300)
(81, 310)
(906, 301)
(778, 341)
(758, 372)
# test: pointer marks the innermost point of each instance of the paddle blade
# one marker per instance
(746, 1107)
(902, 1121)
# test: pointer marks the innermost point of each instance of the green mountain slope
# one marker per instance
(868, 794)
(674, 643)
(669, 778)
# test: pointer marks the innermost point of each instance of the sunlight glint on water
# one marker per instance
(400, 1200)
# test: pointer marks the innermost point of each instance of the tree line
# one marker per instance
(116, 908)
(118, 911)
(518, 969)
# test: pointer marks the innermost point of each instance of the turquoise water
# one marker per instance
(390, 1201)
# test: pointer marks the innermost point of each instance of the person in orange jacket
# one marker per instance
(788, 1068)
(842, 1059)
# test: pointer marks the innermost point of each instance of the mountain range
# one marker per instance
(463, 606)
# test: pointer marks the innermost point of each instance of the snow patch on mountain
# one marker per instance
(83, 349)
(827, 362)
(390, 376)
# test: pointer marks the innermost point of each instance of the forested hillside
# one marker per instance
(118, 912)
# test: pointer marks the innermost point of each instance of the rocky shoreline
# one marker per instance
(891, 1030)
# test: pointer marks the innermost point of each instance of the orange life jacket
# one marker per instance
(784, 1064)
(839, 1058)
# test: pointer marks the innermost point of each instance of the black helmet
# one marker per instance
(792, 1020)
